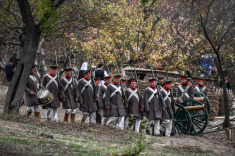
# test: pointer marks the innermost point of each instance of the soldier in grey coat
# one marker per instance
(168, 113)
(185, 91)
(30, 96)
(201, 87)
(87, 98)
(71, 95)
(97, 82)
(101, 99)
(114, 103)
(154, 104)
(52, 82)
(135, 104)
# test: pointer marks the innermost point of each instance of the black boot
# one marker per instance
(147, 131)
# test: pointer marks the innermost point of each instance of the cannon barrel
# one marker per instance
(193, 108)
(200, 99)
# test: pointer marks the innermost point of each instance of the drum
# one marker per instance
(45, 96)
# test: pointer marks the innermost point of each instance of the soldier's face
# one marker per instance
(161, 80)
(33, 70)
(153, 83)
(117, 81)
(201, 83)
(168, 86)
(133, 85)
(72, 65)
(108, 81)
(183, 81)
(97, 83)
(88, 75)
(68, 74)
(53, 71)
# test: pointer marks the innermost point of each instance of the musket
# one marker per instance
(156, 85)
(92, 79)
(123, 94)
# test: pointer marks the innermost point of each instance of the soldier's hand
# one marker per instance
(32, 93)
(81, 102)
(14, 69)
(101, 107)
(148, 110)
(108, 107)
(142, 109)
(64, 99)
(42, 87)
(164, 108)
(126, 106)
(76, 99)
(61, 97)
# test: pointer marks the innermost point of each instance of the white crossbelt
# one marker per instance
(88, 83)
(52, 79)
(35, 80)
(105, 87)
(133, 93)
(167, 95)
(117, 89)
(198, 89)
(68, 83)
(153, 92)
(184, 91)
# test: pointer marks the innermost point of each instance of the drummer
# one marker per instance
(52, 83)
(30, 97)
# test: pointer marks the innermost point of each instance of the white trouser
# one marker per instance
(70, 111)
(166, 125)
(35, 108)
(137, 125)
(112, 121)
(92, 116)
(156, 126)
(55, 113)
(104, 120)
(126, 123)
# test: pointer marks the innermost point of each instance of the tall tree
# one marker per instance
(32, 30)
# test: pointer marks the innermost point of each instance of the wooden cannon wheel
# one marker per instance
(182, 120)
(199, 117)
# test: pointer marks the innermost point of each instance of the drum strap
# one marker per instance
(153, 92)
(35, 80)
(68, 83)
(133, 93)
(52, 79)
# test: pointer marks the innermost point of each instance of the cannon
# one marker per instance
(191, 119)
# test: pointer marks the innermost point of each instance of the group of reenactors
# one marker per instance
(108, 101)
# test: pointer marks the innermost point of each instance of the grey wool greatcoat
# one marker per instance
(33, 84)
(55, 88)
(188, 94)
(101, 100)
(202, 89)
(135, 103)
(86, 95)
(114, 100)
(153, 104)
(167, 96)
(71, 93)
